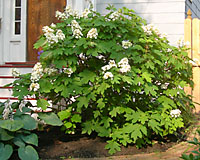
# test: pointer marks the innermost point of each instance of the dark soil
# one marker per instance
(55, 145)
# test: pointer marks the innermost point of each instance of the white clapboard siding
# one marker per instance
(167, 15)
(144, 7)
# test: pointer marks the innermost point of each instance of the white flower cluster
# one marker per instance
(50, 71)
(148, 29)
(76, 14)
(108, 75)
(34, 87)
(92, 33)
(175, 113)
(77, 33)
(76, 29)
(60, 35)
(68, 71)
(111, 64)
(85, 13)
(163, 35)
(126, 44)
(182, 43)
(60, 15)
(194, 62)
(15, 72)
(169, 50)
(75, 25)
(114, 16)
(37, 119)
(70, 12)
(124, 66)
(53, 25)
(67, 13)
(7, 112)
(51, 37)
(164, 86)
(37, 73)
(22, 105)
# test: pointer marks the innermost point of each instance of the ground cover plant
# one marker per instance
(113, 75)
(17, 123)
(195, 155)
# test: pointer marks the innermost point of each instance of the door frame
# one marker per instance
(13, 45)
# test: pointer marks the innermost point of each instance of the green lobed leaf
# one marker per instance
(64, 114)
(45, 85)
(68, 124)
(30, 139)
(60, 63)
(87, 76)
(29, 122)
(39, 43)
(28, 153)
(50, 118)
(42, 103)
(5, 135)
(6, 151)
(147, 76)
(88, 127)
(18, 141)
(83, 101)
(11, 125)
(155, 126)
(101, 104)
(76, 118)
(102, 88)
(112, 146)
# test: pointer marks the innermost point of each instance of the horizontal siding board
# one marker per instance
(174, 38)
(171, 28)
(145, 8)
(137, 1)
(164, 18)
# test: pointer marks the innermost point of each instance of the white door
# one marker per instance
(13, 31)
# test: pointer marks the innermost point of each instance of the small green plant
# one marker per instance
(195, 155)
(16, 130)
(113, 75)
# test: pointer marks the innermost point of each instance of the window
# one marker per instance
(17, 22)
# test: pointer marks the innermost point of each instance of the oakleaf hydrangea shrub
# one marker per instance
(113, 75)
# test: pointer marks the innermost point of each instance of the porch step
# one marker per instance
(6, 78)
(7, 70)
(5, 92)
(21, 63)
(13, 99)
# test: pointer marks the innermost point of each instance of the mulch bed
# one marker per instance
(55, 145)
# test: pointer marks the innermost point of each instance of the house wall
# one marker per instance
(194, 6)
(167, 15)
(1, 15)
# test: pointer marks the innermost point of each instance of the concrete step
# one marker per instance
(4, 92)
(12, 99)
(7, 71)
(6, 80)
